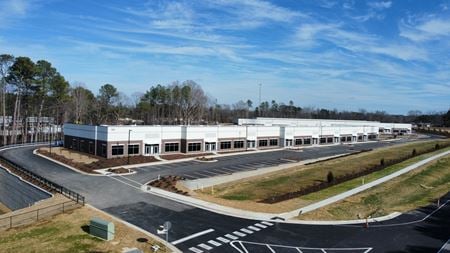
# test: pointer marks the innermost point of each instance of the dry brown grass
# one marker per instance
(417, 188)
(4, 209)
(68, 154)
(65, 233)
(245, 193)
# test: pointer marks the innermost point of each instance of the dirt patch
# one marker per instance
(205, 159)
(4, 209)
(120, 170)
(168, 183)
(71, 155)
(101, 162)
(181, 156)
(69, 233)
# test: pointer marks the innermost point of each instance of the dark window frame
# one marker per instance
(225, 145)
(273, 142)
(194, 146)
(238, 144)
(263, 143)
(117, 150)
(133, 149)
(298, 142)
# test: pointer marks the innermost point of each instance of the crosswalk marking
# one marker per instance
(202, 245)
(224, 240)
(239, 234)
(195, 250)
(232, 237)
(267, 223)
(214, 243)
(254, 228)
(246, 231)
(260, 225)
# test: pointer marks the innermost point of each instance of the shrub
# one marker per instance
(414, 152)
(330, 177)
(382, 162)
(436, 146)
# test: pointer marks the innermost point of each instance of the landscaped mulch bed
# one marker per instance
(181, 156)
(101, 163)
(168, 183)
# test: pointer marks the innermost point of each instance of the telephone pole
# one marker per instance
(259, 94)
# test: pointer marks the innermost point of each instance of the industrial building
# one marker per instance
(260, 133)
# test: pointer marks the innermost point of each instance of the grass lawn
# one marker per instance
(406, 192)
(66, 233)
(245, 193)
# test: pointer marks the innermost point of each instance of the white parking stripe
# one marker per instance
(232, 237)
(214, 243)
(299, 251)
(246, 231)
(267, 223)
(192, 236)
(202, 245)
(254, 228)
(195, 250)
(260, 225)
(224, 240)
(239, 234)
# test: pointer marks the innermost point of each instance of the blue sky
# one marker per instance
(375, 55)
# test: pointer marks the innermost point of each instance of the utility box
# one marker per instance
(102, 229)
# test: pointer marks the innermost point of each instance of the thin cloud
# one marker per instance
(380, 5)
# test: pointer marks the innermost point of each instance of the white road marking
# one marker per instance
(217, 244)
(124, 182)
(260, 225)
(445, 247)
(267, 223)
(239, 234)
(232, 237)
(195, 250)
(271, 250)
(254, 228)
(246, 231)
(272, 247)
(192, 236)
(202, 245)
(224, 240)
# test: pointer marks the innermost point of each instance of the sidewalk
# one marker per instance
(289, 215)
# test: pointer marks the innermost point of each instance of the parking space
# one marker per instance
(246, 161)
(250, 247)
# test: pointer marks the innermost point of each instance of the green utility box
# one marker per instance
(101, 228)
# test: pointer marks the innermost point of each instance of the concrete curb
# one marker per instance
(288, 215)
(343, 195)
(223, 179)
(345, 222)
(225, 210)
(154, 237)
(25, 181)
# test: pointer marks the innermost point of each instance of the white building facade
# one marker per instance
(123, 140)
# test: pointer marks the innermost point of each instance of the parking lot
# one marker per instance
(245, 161)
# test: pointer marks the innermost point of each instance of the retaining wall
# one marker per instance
(16, 193)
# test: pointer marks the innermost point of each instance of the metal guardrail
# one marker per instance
(78, 198)
(30, 217)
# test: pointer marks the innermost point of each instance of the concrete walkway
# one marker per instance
(289, 215)
(361, 188)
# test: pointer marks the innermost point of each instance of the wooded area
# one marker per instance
(31, 91)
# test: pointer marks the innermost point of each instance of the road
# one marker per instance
(121, 196)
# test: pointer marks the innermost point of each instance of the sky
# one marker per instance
(349, 55)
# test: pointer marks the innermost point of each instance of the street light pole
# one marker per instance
(128, 147)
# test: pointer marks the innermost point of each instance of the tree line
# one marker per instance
(33, 90)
